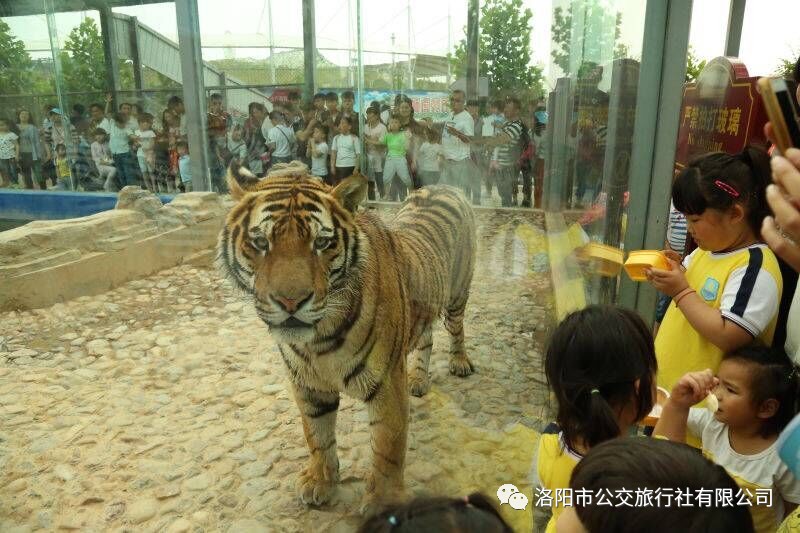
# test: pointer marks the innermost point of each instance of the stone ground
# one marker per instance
(162, 405)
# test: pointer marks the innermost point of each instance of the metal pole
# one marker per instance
(655, 134)
(360, 87)
(109, 32)
(408, 41)
(136, 54)
(735, 21)
(55, 48)
(449, 48)
(309, 50)
(194, 94)
(271, 45)
(473, 36)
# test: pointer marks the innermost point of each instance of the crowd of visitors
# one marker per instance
(107, 149)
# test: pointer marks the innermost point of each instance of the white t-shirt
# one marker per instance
(376, 133)
(347, 149)
(319, 165)
(429, 157)
(146, 141)
(8, 149)
(763, 470)
(452, 146)
(265, 127)
(283, 137)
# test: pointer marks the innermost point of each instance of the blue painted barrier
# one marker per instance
(56, 205)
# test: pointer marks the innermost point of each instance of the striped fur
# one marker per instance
(347, 298)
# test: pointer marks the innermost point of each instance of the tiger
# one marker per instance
(347, 297)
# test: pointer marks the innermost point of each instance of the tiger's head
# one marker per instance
(290, 242)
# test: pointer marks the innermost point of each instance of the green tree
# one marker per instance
(504, 50)
(83, 61)
(785, 68)
(594, 39)
(693, 65)
(15, 63)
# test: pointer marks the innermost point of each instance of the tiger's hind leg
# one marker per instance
(318, 409)
(419, 381)
(460, 365)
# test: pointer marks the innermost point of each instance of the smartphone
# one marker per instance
(779, 103)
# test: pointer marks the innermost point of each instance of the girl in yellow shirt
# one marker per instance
(727, 292)
(601, 367)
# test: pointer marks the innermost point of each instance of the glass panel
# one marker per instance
(167, 401)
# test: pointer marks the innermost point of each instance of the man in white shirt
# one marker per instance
(459, 170)
(280, 139)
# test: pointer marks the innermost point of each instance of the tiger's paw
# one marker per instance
(461, 366)
(372, 504)
(314, 489)
(419, 383)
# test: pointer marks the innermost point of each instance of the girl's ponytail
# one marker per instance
(601, 420)
(758, 208)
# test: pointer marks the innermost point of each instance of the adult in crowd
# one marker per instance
(415, 130)
(30, 150)
(218, 122)
(458, 169)
(257, 155)
(303, 131)
(98, 118)
(175, 107)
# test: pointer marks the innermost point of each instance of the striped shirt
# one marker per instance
(676, 230)
(507, 154)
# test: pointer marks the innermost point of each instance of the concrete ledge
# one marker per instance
(46, 262)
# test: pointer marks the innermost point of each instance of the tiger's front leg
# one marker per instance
(318, 409)
(388, 421)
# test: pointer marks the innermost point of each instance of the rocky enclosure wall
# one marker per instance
(45, 262)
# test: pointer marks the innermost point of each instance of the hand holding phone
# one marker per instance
(779, 103)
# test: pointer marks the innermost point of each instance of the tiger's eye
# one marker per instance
(323, 243)
(261, 243)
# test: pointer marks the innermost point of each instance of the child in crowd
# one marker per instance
(145, 138)
(345, 153)
(395, 169)
(676, 242)
(317, 151)
(756, 389)
(9, 154)
(430, 157)
(237, 148)
(62, 168)
(119, 143)
(623, 465)
(101, 155)
(601, 367)
(727, 291)
(184, 167)
(473, 513)
(374, 131)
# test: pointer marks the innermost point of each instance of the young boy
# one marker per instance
(184, 167)
(101, 155)
(345, 153)
(318, 152)
(145, 138)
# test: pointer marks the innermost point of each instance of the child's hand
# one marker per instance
(670, 282)
(693, 388)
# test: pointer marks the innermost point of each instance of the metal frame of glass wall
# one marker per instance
(667, 24)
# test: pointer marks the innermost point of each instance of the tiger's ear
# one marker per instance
(240, 180)
(351, 192)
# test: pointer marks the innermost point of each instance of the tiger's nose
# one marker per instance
(290, 305)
